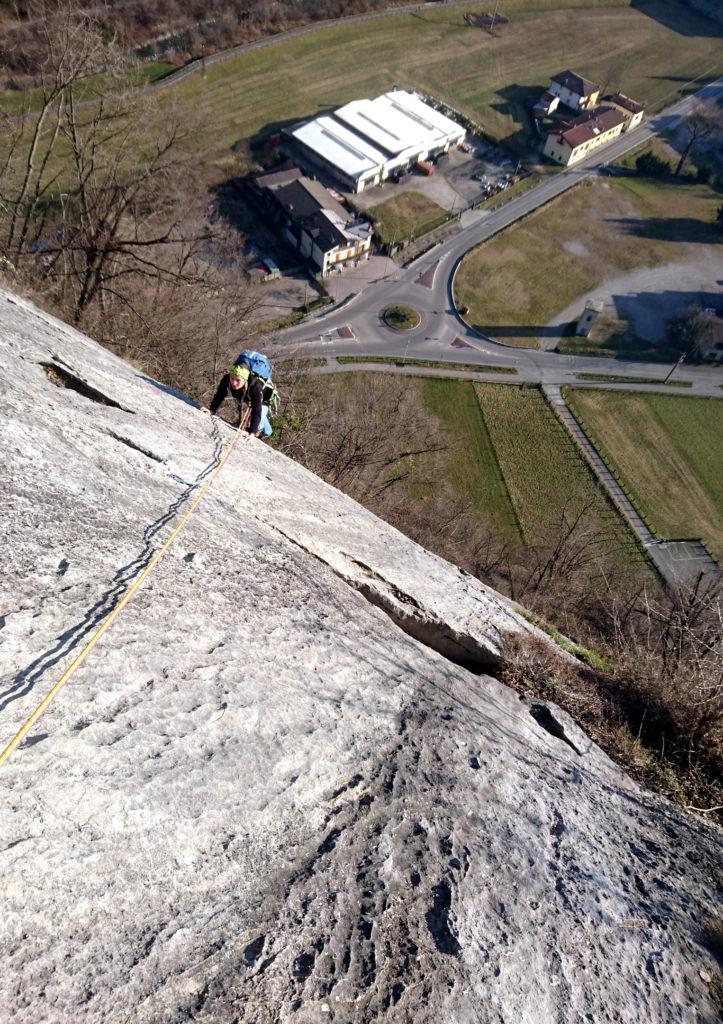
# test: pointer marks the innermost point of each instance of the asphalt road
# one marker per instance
(442, 335)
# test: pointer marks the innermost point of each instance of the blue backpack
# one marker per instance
(256, 363)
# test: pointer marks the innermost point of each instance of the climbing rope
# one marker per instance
(78, 661)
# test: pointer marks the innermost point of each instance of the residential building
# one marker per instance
(574, 91)
(571, 141)
(632, 111)
(314, 222)
(366, 142)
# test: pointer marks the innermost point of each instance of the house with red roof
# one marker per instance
(632, 111)
(574, 91)
(571, 141)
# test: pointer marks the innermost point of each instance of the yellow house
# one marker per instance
(574, 140)
(574, 91)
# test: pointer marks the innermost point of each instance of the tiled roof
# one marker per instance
(303, 198)
(588, 128)
(575, 83)
(621, 100)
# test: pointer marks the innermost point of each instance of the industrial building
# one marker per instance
(366, 142)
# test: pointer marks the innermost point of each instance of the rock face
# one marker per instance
(282, 788)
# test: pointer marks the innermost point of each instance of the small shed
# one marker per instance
(593, 309)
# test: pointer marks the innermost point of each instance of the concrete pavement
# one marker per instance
(700, 388)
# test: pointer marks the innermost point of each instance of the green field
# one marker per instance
(492, 79)
(668, 452)
(142, 74)
(469, 464)
(543, 470)
(405, 216)
(518, 281)
(618, 379)
(502, 436)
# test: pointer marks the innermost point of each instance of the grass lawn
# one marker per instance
(405, 216)
(517, 282)
(490, 78)
(617, 379)
(142, 74)
(527, 435)
(469, 465)
(667, 450)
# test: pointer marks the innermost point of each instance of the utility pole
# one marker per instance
(676, 364)
(494, 16)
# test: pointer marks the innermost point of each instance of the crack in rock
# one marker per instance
(135, 446)
(63, 378)
(407, 614)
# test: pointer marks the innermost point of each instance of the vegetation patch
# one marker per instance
(469, 464)
(591, 658)
(142, 74)
(616, 379)
(515, 283)
(528, 436)
(401, 318)
(305, 363)
(437, 364)
(667, 453)
(406, 216)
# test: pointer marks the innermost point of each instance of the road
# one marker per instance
(356, 328)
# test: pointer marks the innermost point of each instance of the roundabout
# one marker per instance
(401, 318)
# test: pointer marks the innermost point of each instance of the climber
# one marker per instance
(248, 389)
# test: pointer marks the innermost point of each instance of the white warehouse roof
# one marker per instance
(399, 121)
(342, 148)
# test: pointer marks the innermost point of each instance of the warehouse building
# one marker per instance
(366, 142)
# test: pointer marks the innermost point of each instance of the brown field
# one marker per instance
(515, 283)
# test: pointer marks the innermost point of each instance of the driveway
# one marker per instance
(356, 279)
(650, 296)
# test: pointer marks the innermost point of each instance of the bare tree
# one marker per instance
(72, 51)
(697, 126)
(693, 331)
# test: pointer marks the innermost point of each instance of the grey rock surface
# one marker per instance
(282, 788)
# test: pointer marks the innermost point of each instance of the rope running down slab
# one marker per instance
(77, 662)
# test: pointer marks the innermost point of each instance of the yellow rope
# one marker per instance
(77, 662)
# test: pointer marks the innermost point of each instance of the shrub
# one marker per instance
(651, 166)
